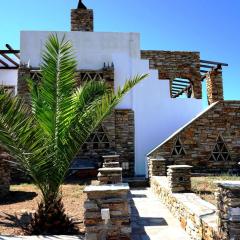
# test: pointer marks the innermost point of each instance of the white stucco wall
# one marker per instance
(156, 114)
(9, 78)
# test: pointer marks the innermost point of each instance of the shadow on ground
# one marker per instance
(17, 196)
(139, 223)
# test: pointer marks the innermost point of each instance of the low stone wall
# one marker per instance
(112, 198)
(197, 217)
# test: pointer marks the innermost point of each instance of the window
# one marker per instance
(178, 149)
(125, 165)
(220, 151)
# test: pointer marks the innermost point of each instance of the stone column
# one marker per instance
(228, 209)
(179, 178)
(23, 75)
(112, 199)
(111, 175)
(156, 167)
(4, 174)
(82, 20)
(214, 86)
(110, 161)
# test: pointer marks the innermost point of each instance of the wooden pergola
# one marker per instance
(180, 86)
(9, 58)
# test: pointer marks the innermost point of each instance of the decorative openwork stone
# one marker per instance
(113, 199)
(157, 167)
(228, 209)
(179, 178)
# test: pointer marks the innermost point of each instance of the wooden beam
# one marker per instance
(9, 59)
(215, 63)
(177, 88)
(8, 68)
(3, 63)
(181, 81)
(11, 49)
(181, 92)
(206, 66)
(177, 84)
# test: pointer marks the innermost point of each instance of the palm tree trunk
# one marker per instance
(50, 219)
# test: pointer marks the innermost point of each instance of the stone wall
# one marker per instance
(82, 20)
(197, 217)
(112, 199)
(214, 86)
(4, 173)
(208, 143)
(228, 209)
(176, 64)
(124, 129)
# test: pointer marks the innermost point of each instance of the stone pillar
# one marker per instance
(113, 199)
(156, 167)
(124, 129)
(179, 178)
(23, 75)
(214, 86)
(228, 209)
(4, 174)
(82, 20)
(111, 161)
(111, 175)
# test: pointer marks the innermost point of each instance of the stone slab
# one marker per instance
(59, 237)
(107, 188)
(179, 166)
(229, 184)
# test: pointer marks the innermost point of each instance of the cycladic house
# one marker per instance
(166, 108)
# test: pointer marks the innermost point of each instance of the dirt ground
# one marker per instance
(206, 188)
(23, 200)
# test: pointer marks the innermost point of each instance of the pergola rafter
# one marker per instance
(6, 59)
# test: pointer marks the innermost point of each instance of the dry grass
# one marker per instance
(205, 186)
(23, 200)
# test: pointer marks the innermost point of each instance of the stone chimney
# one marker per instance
(82, 18)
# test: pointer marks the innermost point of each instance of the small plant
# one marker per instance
(45, 136)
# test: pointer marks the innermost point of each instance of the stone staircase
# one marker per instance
(209, 142)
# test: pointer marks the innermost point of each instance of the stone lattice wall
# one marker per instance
(82, 20)
(214, 86)
(199, 138)
(4, 173)
(176, 64)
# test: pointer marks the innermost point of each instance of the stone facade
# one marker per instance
(228, 210)
(209, 143)
(4, 173)
(116, 133)
(82, 20)
(124, 129)
(112, 198)
(214, 86)
(177, 64)
(179, 178)
(197, 217)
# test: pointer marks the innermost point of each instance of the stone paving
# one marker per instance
(43, 238)
(151, 220)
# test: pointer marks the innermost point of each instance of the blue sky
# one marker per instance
(208, 26)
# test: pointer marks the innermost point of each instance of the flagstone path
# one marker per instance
(151, 220)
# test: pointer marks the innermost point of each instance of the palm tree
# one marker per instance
(45, 135)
